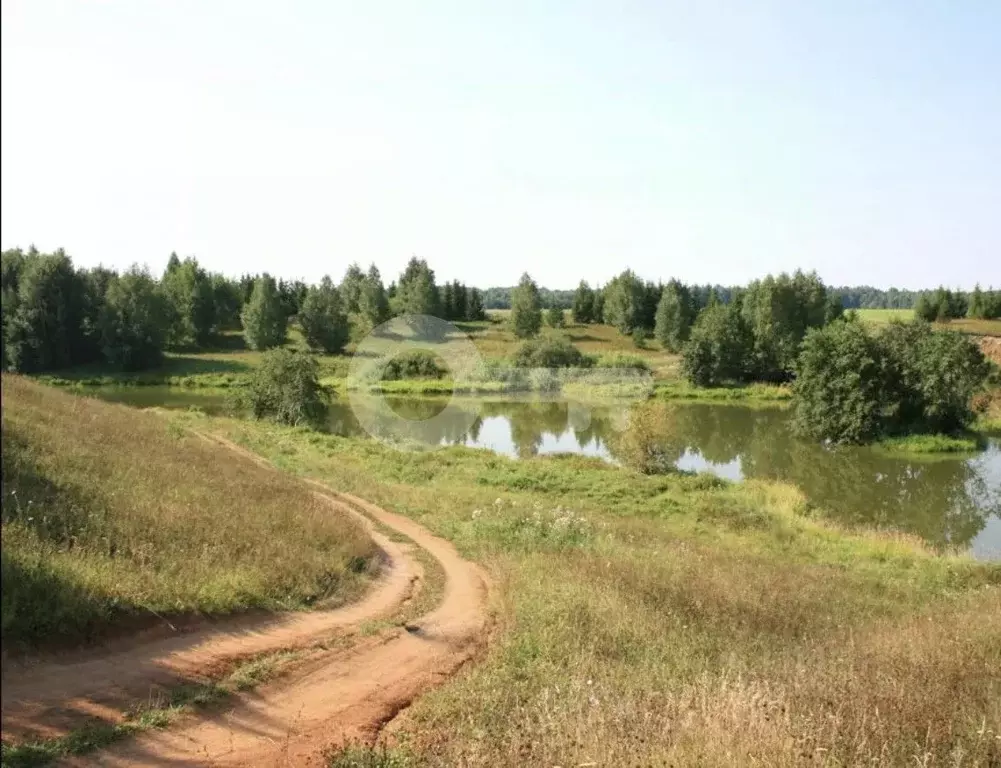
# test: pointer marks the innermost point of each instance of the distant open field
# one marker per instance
(883, 316)
(969, 326)
(112, 514)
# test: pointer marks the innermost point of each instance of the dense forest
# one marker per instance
(56, 315)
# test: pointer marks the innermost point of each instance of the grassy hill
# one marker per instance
(112, 515)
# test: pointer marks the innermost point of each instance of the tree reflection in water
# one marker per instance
(945, 500)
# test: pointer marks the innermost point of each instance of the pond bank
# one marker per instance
(950, 502)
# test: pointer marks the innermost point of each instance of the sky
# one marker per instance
(711, 141)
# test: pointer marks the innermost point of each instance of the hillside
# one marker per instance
(112, 517)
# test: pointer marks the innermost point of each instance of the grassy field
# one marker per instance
(884, 316)
(677, 619)
(878, 317)
(113, 515)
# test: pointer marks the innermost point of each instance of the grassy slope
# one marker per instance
(109, 512)
(681, 619)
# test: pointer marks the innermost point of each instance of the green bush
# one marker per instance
(839, 385)
(900, 343)
(550, 352)
(930, 378)
(950, 371)
(285, 387)
(852, 386)
(639, 337)
(415, 364)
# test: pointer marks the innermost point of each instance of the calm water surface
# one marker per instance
(947, 500)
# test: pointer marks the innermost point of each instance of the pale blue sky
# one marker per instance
(710, 141)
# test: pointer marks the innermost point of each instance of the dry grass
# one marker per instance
(987, 406)
(975, 327)
(684, 657)
(659, 620)
(878, 317)
(496, 340)
(110, 513)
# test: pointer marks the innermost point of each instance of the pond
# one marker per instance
(949, 500)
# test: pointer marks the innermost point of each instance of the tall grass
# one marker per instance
(110, 513)
(659, 619)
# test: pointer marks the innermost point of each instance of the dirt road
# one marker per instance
(330, 698)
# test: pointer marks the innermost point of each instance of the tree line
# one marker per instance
(926, 304)
(943, 304)
(56, 315)
(975, 304)
(730, 335)
(850, 384)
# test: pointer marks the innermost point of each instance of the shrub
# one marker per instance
(930, 377)
(852, 386)
(900, 343)
(285, 387)
(719, 348)
(839, 384)
(550, 352)
(645, 444)
(639, 337)
(950, 370)
(415, 364)
(544, 380)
